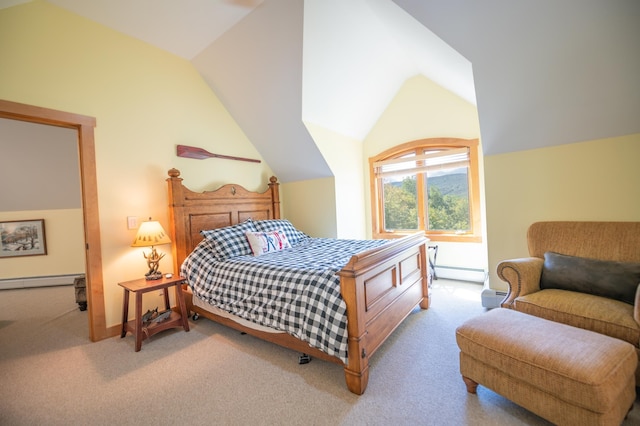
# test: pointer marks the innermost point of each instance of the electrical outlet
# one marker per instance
(132, 222)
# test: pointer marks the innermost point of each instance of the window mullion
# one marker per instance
(422, 211)
(380, 205)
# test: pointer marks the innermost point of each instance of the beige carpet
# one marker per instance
(51, 374)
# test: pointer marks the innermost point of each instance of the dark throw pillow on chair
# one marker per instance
(615, 280)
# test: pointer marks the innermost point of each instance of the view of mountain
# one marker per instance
(450, 184)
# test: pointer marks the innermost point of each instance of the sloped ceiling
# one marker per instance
(333, 63)
(357, 55)
(255, 68)
(543, 72)
(546, 72)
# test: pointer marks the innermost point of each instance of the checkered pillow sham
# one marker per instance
(230, 241)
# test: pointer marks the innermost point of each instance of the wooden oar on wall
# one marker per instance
(200, 154)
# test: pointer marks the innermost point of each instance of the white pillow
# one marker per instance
(293, 235)
(267, 242)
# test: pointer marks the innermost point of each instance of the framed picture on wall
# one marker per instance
(22, 238)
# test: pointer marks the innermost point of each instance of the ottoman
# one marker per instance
(564, 374)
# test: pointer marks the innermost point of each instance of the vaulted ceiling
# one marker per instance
(546, 72)
(541, 72)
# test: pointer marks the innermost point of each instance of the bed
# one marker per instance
(379, 286)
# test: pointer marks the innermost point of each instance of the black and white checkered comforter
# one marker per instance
(295, 290)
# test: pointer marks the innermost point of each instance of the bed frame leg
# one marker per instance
(425, 303)
(357, 382)
(304, 359)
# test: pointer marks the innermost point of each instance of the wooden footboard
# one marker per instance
(380, 286)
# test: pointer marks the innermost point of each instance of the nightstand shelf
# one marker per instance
(136, 326)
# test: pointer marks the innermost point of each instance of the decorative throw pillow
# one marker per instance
(293, 235)
(614, 280)
(230, 241)
(267, 242)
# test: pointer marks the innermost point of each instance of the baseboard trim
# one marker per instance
(29, 282)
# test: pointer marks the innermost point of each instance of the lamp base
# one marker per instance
(153, 276)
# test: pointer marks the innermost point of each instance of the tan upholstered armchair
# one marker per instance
(584, 274)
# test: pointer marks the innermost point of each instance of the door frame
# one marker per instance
(88, 179)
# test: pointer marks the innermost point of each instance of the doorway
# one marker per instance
(84, 125)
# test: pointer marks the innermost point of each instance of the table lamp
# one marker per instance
(151, 234)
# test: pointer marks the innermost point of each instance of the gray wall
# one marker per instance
(39, 167)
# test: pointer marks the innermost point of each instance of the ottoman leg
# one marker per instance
(471, 385)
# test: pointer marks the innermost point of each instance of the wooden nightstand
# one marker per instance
(141, 286)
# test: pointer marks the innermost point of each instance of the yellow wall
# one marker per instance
(592, 180)
(40, 179)
(311, 205)
(423, 109)
(344, 156)
(145, 101)
(65, 245)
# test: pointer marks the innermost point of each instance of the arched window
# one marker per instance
(428, 184)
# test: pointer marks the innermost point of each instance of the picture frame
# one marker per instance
(22, 238)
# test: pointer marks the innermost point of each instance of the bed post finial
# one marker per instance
(174, 173)
(275, 197)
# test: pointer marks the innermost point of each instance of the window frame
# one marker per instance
(417, 147)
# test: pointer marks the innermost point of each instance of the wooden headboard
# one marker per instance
(191, 212)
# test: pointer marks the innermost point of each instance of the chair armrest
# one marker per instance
(522, 275)
(636, 306)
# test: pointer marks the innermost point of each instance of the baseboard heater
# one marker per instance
(491, 298)
(461, 274)
(48, 281)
